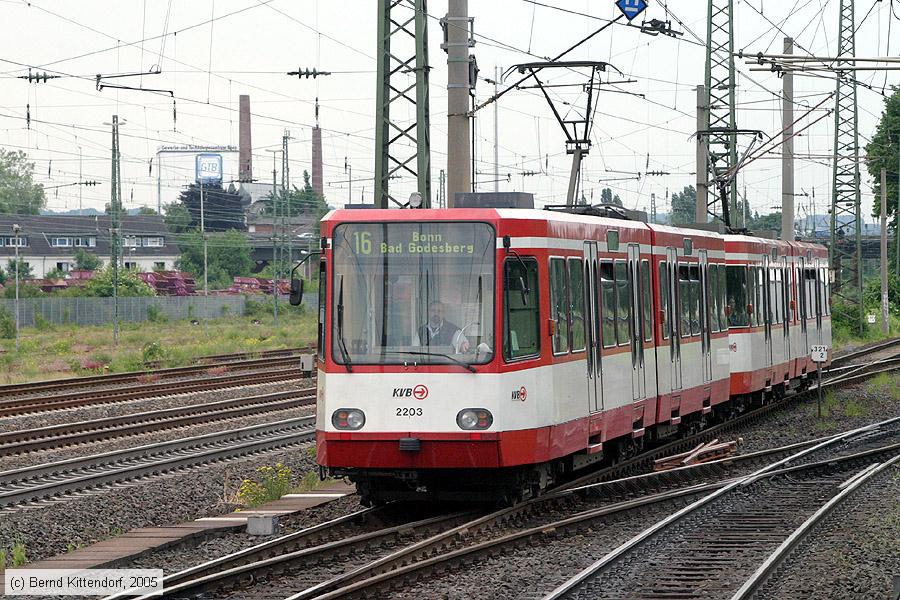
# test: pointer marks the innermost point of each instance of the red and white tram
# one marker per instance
(477, 353)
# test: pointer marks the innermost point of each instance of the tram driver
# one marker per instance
(440, 332)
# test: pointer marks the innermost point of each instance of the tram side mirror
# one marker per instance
(296, 297)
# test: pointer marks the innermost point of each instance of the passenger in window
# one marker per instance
(440, 332)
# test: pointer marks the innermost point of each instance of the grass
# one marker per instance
(885, 383)
(59, 351)
(843, 335)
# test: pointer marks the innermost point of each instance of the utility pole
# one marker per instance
(116, 227)
(275, 266)
(81, 178)
(15, 229)
(458, 24)
(348, 168)
(402, 47)
(205, 261)
(846, 218)
(496, 133)
(720, 110)
(442, 183)
(787, 149)
(897, 216)
(286, 231)
(702, 201)
(885, 322)
(653, 208)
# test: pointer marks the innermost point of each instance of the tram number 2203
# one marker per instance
(409, 412)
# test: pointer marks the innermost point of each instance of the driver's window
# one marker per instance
(521, 323)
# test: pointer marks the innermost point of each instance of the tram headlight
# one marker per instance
(348, 418)
(474, 418)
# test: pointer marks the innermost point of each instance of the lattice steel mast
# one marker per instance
(846, 221)
(720, 122)
(402, 49)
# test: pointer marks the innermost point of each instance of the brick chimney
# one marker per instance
(245, 147)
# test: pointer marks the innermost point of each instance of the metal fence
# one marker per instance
(97, 311)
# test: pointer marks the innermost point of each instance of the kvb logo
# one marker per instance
(420, 392)
(520, 394)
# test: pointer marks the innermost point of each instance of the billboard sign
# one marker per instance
(209, 168)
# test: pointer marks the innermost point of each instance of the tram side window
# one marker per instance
(826, 301)
(320, 332)
(576, 291)
(786, 293)
(754, 317)
(811, 293)
(695, 300)
(648, 304)
(765, 315)
(608, 293)
(684, 299)
(559, 305)
(521, 325)
(712, 276)
(723, 320)
(664, 298)
(623, 304)
(736, 286)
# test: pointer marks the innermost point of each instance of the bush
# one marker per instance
(153, 352)
(7, 325)
(41, 323)
(274, 482)
(156, 315)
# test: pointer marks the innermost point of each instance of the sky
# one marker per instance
(208, 52)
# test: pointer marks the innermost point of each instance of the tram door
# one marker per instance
(786, 306)
(592, 325)
(817, 295)
(638, 372)
(768, 312)
(674, 320)
(802, 299)
(705, 325)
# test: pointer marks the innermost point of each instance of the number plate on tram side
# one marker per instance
(409, 412)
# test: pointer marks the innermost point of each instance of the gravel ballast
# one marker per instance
(48, 530)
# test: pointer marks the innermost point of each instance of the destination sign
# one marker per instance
(401, 239)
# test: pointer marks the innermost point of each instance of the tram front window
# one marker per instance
(413, 293)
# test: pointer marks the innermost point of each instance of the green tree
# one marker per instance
(607, 197)
(146, 210)
(771, 221)
(85, 261)
(301, 201)
(684, 205)
(26, 290)
(884, 150)
(55, 274)
(177, 217)
(19, 194)
(25, 270)
(102, 284)
(228, 255)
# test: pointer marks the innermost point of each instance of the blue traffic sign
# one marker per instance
(631, 8)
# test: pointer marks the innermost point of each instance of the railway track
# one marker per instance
(20, 406)
(61, 479)
(70, 434)
(576, 505)
(704, 549)
(230, 362)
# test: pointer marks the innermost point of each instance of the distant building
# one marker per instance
(49, 242)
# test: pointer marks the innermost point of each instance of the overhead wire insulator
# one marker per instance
(307, 73)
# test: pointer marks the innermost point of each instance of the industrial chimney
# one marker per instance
(245, 148)
(318, 186)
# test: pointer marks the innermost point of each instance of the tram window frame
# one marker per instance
(826, 290)
(736, 275)
(664, 297)
(533, 307)
(801, 293)
(696, 300)
(786, 294)
(559, 305)
(684, 299)
(322, 311)
(647, 300)
(576, 301)
(624, 291)
(607, 304)
(712, 310)
(723, 318)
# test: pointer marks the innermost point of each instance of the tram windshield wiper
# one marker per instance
(461, 363)
(342, 345)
